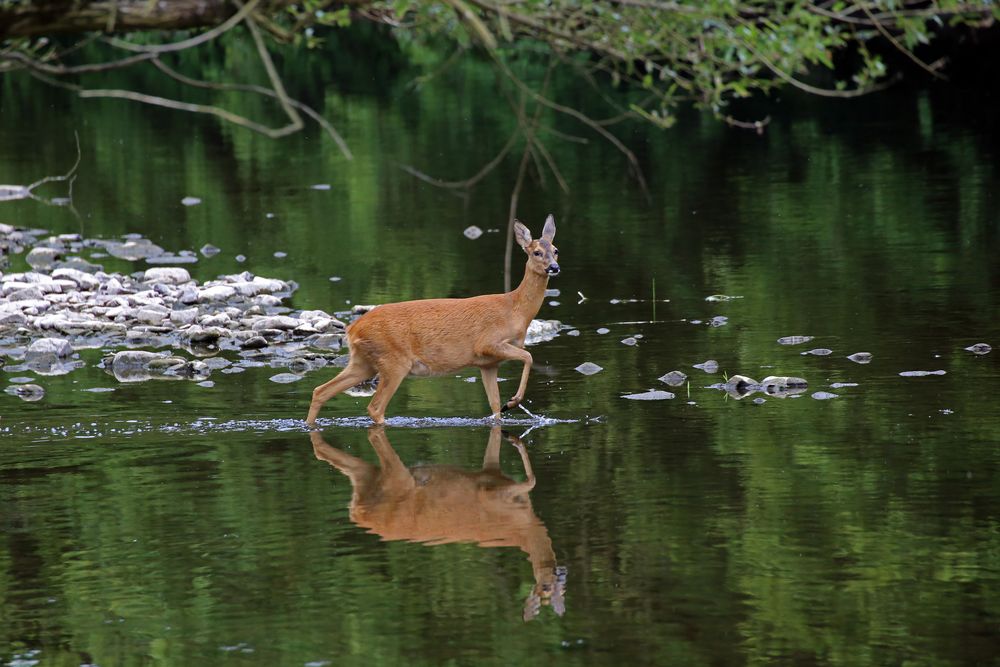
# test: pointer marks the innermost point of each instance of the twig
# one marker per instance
(905, 51)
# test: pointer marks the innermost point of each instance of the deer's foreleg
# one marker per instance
(511, 352)
(489, 374)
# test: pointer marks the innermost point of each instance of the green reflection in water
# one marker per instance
(860, 530)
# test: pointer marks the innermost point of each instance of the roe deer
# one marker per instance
(438, 336)
(439, 504)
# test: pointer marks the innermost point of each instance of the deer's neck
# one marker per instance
(529, 295)
(538, 546)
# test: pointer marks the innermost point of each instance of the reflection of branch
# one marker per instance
(472, 180)
(218, 112)
(18, 192)
(260, 90)
(580, 116)
(67, 176)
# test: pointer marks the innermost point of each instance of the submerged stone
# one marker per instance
(673, 378)
(979, 348)
(824, 395)
(794, 340)
(472, 232)
(861, 357)
(916, 374)
(818, 352)
(739, 386)
(26, 392)
(285, 378)
(710, 366)
(651, 395)
(588, 368)
(781, 386)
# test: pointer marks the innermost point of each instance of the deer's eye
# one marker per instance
(555, 252)
(538, 253)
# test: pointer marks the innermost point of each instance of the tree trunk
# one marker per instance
(50, 17)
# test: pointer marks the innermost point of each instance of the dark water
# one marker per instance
(170, 523)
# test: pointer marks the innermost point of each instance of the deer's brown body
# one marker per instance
(438, 336)
(438, 504)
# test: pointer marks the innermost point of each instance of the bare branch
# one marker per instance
(206, 36)
(272, 74)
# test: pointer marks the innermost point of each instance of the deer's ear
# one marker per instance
(549, 231)
(522, 235)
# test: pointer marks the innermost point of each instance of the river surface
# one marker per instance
(856, 523)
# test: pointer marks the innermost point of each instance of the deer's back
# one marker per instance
(438, 335)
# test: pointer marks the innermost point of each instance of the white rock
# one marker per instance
(181, 317)
(216, 293)
(167, 274)
(81, 278)
(151, 315)
(276, 322)
(49, 347)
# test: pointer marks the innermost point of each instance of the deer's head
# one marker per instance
(543, 257)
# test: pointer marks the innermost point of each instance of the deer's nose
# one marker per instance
(553, 269)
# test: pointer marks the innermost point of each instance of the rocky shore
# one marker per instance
(158, 323)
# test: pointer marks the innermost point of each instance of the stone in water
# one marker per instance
(473, 232)
(651, 395)
(819, 352)
(285, 378)
(710, 366)
(979, 348)
(190, 201)
(588, 368)
(794, 340)
(861, 357)
(917, 374)
(673, 378)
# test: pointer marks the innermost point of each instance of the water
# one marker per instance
(170, 523)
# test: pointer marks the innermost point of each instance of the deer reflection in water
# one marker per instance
(440, 504)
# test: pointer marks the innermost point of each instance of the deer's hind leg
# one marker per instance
(390, 376)
(358, 370)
